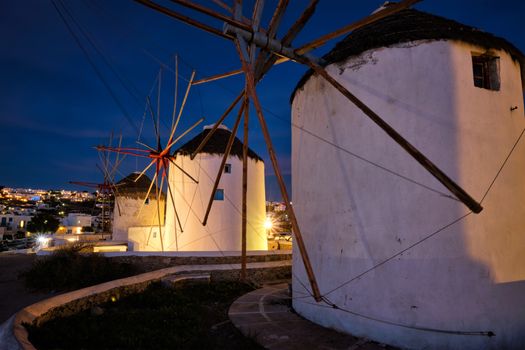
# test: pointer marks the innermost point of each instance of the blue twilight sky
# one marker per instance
(54, 108)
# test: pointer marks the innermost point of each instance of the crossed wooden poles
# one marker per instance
(250, 39)
(161, 156)
(108, 186)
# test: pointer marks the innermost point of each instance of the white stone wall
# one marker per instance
(469, 276)
(223, 229)
(77, 219)
(13, 226)
(130, 216)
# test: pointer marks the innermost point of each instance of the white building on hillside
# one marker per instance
(12, 224)
(456, 93)
(74, 222)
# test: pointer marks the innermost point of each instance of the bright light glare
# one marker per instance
(41, 239)
(268, 223)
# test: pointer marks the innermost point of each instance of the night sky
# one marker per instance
(54, 108)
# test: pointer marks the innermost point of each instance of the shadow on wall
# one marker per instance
(355, 215)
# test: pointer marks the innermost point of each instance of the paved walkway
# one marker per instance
(13, 295)
(265, 314)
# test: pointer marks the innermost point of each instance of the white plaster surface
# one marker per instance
(353, 215)
(223, 229)
(132, 224)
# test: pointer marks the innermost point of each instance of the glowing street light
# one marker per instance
(268, 223)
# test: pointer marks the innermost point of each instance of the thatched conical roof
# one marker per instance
(216, 144)
(130, 186)
(411, 25)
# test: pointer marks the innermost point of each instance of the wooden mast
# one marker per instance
(240, 45)
(244, 188)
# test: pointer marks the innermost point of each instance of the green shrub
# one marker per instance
(69, 268)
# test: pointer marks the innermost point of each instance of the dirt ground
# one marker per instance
(13, 295)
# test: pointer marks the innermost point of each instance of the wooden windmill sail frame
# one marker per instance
(160, 156)
(107, 187)
(248, 37)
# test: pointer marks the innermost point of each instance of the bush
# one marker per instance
(69, 269)
(193, 316)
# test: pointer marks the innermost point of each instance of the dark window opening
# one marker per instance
(486, 72)
(228, 168)
(146, 201)
(219, 195)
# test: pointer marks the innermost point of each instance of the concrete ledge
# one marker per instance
(201, 253)
(181, 279)
(204, 254)
(72, 302)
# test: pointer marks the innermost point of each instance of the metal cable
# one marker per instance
(331, 305)
(398, 253)
(502, 165)
(94, 66)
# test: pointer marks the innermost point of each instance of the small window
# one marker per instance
(219, 195)
(146, 201)
(228, 168)
(154, 234)
(486, 72)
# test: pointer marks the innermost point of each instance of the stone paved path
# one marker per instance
(13, 295)
(265, 315)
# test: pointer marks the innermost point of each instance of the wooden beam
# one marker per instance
(216, 125)
(158, 207)
(176, 216)
(212, 13)
(256, 21)
(299, 24)
(182, 170)
(250, 82)
(265, 43)
(276, 17)
(217, 77)
(461, 194)
(272, 32)
(229, 9)
(266, 60)
(257, 13)
(390, 10)
(223, 163)
(244, 188)
(184, 19)
(295, 29)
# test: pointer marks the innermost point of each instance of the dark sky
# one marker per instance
(54, 108)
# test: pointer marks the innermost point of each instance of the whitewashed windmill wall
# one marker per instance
(223, 229)
(139, 227)
(471, 275)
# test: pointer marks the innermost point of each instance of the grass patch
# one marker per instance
(194, 316)
(69, 269)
